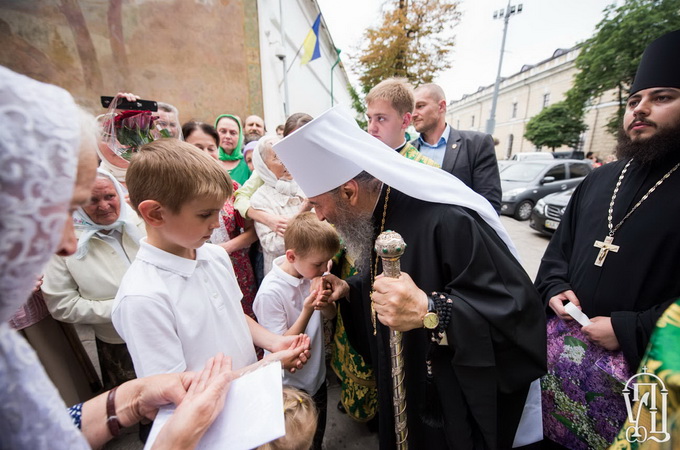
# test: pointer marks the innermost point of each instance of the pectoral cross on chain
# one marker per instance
(605, 247)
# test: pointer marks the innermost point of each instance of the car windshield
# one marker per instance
(521, 171)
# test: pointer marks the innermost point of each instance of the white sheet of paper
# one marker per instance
(252, 414)
(577, 314)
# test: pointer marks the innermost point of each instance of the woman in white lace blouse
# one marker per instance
(41, 133)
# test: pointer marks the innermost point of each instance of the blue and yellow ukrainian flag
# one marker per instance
(311, 43)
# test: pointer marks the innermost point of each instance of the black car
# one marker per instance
(547, 214)
(526, 182)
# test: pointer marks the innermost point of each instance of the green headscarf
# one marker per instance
(236, 154)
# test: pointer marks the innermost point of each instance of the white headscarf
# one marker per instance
(286, 187)
(117, 172)
(39, 139)
(123, 224)
(332, 149)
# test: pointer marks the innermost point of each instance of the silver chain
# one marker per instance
(613, 229)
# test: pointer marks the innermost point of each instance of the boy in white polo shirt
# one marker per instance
(286, 304)
(179, 302)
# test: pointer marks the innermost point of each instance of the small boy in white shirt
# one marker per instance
(287, 304)
(179, 302)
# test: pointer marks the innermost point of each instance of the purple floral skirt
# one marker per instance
(583, 404)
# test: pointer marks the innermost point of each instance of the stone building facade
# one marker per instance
(523, 95)
(206, 57)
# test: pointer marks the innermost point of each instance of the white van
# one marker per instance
(525, 156)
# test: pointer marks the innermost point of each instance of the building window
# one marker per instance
(472, 123)
(458, 124)
(546, 100)
(514, 110)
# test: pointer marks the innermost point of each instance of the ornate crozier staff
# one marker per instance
(390, 246)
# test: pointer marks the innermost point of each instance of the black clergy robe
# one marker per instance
(635, 285)
(496, 336)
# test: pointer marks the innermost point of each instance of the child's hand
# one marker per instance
(328, 308)
(311, 300)
(339, 288)
(322, 293)
(292, 351)
(323, 287)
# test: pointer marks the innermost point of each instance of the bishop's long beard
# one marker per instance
(356, 230)
(663, 144)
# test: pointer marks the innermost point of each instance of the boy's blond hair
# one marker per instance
(300, 415)
(173, 173)
(305, 233)
(398, 91)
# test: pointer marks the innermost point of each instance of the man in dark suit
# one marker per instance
(468, 155)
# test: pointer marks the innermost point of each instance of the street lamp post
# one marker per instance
(282, 56)
(505, 15)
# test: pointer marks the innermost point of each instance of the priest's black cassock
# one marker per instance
(497, 343)
(636, 284)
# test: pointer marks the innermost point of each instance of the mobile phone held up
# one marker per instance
(137, 105)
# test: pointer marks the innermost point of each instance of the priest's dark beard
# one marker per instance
(356, 230)
(663, 144)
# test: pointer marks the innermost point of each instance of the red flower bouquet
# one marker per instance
(129, 130)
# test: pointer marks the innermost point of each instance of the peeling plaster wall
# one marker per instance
(199, 55)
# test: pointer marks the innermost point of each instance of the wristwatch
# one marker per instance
(431, 319)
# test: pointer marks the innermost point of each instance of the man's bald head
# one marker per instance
(433, 90)
(429, 116)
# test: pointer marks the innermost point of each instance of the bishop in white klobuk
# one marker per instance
(459, 262)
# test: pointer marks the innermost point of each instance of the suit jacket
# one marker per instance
(470, 156)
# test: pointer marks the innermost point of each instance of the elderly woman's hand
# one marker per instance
(200, 407)
(199, 396)
(128, 96)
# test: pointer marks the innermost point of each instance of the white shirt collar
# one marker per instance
(285, 276)
(444, 137)
(167, 261)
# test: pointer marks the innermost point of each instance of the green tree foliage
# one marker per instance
(555, 126)
(413, 41)
(609, 59)
(359, 106)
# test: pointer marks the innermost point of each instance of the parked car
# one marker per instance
(547, 214)
(503, 163)
(571, 154)
(523, 156)
(525, 182)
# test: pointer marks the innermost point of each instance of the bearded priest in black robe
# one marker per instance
(459, 265)
(624, 284)
(616, 252)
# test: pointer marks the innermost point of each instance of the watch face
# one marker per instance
(431, 321)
